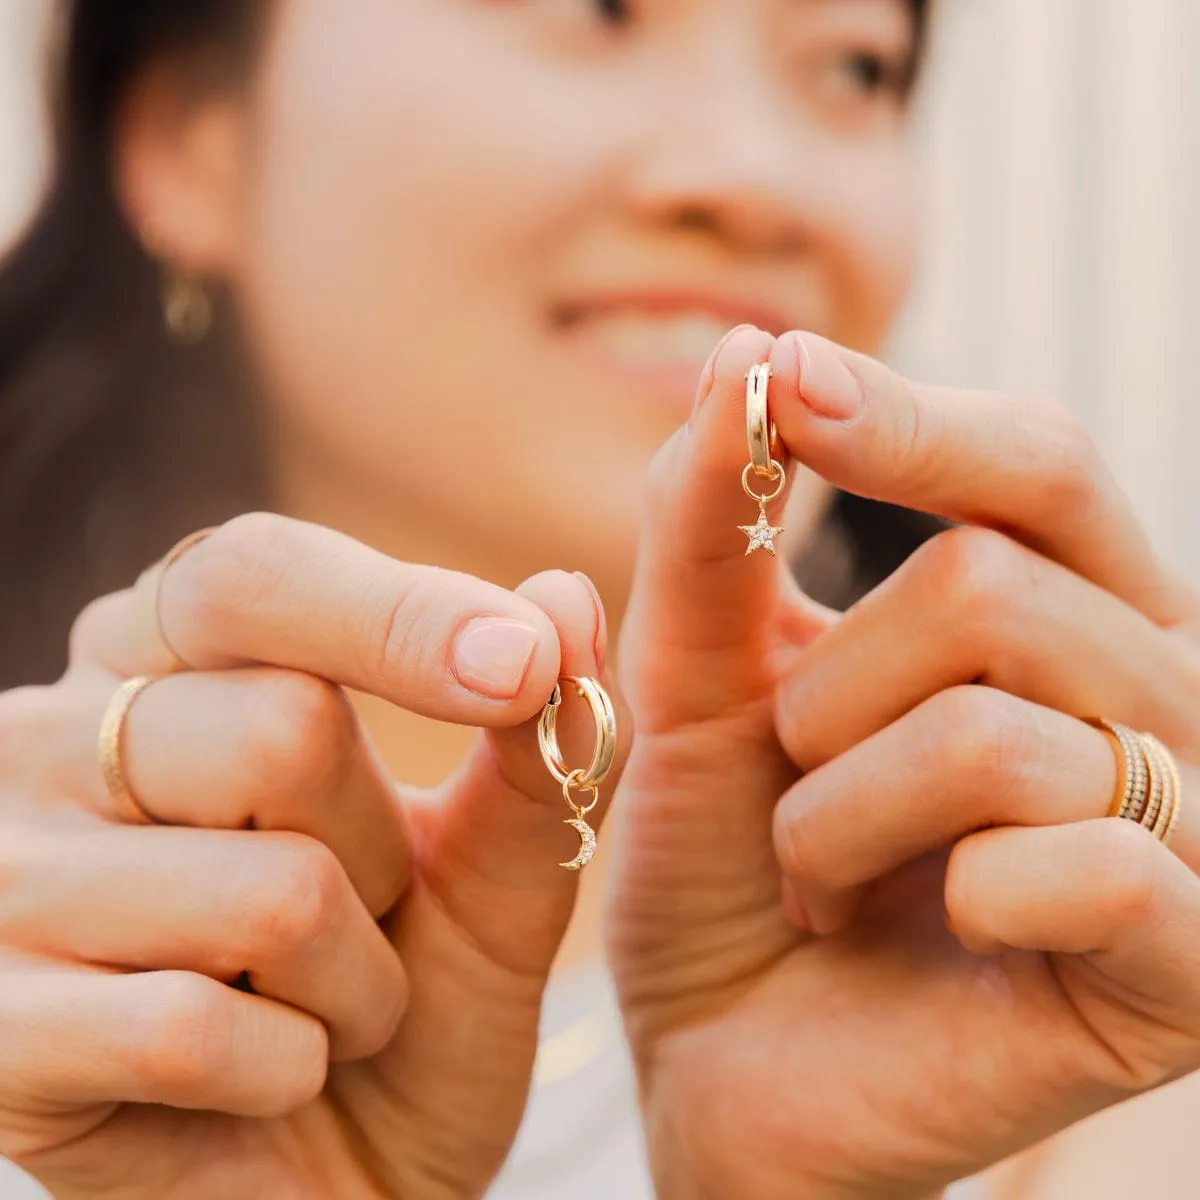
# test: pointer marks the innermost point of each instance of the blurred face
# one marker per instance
(487, 245)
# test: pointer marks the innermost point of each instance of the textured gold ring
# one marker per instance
(1149, 787)
(111, 752)
(1168, 814)
(1129, 797)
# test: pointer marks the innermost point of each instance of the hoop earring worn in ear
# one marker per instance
(760, 433)
(586, 779)
(187, 308)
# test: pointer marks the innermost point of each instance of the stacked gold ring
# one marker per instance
(1149, 790)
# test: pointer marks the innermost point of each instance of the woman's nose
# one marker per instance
(723, 149)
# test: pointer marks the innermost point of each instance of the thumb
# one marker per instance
(499, 834)
(479, 930)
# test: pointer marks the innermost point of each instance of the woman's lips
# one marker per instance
(651, 340)
(658, 342)
(662, 351)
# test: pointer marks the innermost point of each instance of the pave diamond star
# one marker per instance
(762, 534)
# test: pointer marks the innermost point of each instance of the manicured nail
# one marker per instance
(827, 386)
(600, 644)
(492, 655)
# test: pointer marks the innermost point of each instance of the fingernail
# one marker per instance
(492, 655)
(600, 645)
(708, 377)
(829, 912)
(792, 908)
(827, 386)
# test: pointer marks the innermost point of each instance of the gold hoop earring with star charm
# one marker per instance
(761, 436)
(587, 779)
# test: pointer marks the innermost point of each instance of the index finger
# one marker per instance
(1027, 468)
(268, 590)
(699, 604)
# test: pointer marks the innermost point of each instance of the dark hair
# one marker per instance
(114, 443)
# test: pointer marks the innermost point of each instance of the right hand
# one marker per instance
(390, 949)
(860, 1048)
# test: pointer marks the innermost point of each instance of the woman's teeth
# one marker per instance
(648, 339)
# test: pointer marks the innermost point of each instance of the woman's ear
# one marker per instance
(179, 168)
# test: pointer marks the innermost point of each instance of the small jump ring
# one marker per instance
(574, 781)
(111, 752)
(178, 662)
(760, 429)
(606, 734)
(777, 473)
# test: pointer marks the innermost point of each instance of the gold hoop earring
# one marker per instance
(761, 437)
(589, 778)
(187, 308)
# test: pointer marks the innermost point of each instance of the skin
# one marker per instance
(549, 263)
(1015, 963)
(311, 1085)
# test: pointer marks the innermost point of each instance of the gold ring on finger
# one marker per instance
(111, 750)
(178, 662)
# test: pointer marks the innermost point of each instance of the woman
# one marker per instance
(440, 277)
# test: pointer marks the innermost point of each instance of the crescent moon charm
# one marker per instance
(587, 848)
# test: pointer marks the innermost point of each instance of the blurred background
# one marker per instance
(1061, 141)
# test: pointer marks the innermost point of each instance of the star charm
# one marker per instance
(762, 535)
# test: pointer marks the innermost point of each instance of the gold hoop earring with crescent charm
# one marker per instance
(589, 778)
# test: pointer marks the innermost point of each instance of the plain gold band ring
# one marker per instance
(178, 662)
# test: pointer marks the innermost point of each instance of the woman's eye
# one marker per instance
(863, 72)
(862, 75)
(579, 14)
(615, 11)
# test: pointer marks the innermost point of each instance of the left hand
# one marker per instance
(856, 1047)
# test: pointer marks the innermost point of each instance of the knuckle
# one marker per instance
(914, 447)
(309, 1066)
(957, 887)
(86, 629)
(801, 854)
(23, 858)
(978, 573)
(793, 698)
(1127, 857)
(181, 1036)
(409, 625)
(1071, 464)
(302, 898)
(19, 708)
(304, 731)
(26, 715)
(991, 737)
(386, 1011)
(220, 577)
